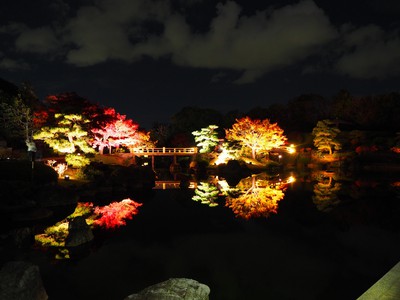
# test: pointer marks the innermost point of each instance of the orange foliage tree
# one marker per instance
(258, 135)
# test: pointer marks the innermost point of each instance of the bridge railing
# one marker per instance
(192, 150)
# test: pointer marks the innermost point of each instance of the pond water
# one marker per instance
(326, 238)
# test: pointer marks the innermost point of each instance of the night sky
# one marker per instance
(149, 59)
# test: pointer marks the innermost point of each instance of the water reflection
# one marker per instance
(259, 195)
(87, 216)
(257, 202)
(253, 197)
(256, 196)
(325, 190)
(206, 193)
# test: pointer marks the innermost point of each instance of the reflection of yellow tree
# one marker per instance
(260, 200)
(325, 192)
(206, 193)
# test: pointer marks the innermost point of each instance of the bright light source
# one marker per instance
(291, 179)
(291, 149)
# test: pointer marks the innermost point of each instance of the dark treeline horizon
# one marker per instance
(373, 112)
(300, 114)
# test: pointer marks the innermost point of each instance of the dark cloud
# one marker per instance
(40, 40)
(370, 53)
(149, 58)
(11, 64)
(253, 43)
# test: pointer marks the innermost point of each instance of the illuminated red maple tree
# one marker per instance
(116, 213)
(40, 118)
(102, 134)
(71, 103)
(118, 131)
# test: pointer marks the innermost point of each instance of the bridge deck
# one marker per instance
(164, 151)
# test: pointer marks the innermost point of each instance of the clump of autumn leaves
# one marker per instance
(109, 216)
(76, 128)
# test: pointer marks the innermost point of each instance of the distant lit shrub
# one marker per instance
(77, 160)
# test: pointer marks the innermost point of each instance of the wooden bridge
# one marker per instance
(152, 152)
(164, 151)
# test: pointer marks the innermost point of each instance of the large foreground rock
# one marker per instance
(174, 289)
(21, 281)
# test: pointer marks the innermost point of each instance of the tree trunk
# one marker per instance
(253, 153)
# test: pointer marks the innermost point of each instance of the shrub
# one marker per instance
(77, 160)
(94, 172)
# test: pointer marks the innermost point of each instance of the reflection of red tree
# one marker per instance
(116, 213)
(360, 183)
(257, 202)
(395, 149)
(366, 149)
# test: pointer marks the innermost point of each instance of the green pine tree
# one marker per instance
(325, 133)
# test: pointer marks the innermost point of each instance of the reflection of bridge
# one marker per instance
(171, 184)
(163, 152)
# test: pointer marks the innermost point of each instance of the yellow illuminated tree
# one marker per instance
(206, 138)
(68, 137)
(257, 135)
(325, 133)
